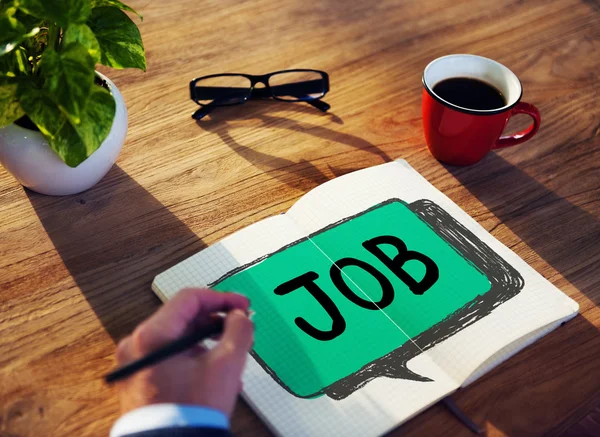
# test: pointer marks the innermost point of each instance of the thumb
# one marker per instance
(238, 336)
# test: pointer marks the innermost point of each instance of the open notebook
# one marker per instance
(375, 297)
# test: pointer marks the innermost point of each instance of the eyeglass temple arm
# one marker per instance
(261, 93)
(205, 110)
(301, 90)
(319, 104)
(202, 112)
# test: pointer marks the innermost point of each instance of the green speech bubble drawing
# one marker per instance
(359, 298)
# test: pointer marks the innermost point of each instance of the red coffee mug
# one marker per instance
(462, 136)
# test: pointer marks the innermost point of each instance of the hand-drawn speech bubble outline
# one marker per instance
(506, 282)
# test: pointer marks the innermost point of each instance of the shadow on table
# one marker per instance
(533, 393)
(114, 239)
(564, 235)
(300, 174)
(557, 374)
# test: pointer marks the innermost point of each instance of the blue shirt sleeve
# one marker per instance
(168, 416)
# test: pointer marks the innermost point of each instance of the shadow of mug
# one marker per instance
(563, 234)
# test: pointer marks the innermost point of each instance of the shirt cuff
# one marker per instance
(159, 416)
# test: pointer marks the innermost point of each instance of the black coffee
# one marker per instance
(470, 93)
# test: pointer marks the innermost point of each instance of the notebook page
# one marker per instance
(370, 411)
(510, 350)
(538, 304)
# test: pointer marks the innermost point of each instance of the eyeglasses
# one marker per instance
(234, 89)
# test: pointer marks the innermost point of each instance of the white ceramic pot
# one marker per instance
(26, 155)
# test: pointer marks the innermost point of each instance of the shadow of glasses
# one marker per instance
(301, 174)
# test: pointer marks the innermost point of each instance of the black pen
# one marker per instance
(182, 344)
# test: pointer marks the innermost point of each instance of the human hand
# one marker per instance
(209, 378)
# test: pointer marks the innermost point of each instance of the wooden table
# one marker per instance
(75, 272)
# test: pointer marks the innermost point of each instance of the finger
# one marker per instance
(204, 320)
(193, 303)
(237, 336)
(216, 337)
(124, 353)
(178, 316)
(197, 351)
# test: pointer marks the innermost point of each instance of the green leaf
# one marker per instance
(14, 41)
(52, 123)
(42, 110)
(63, 12)
(69, 78)
(81, 33)
(97, 119)
(10, 108)
(9, 25)
(12, 31)
(119, 38)
(72, 144)
(115, 4)
(29, 21)
(14, 63)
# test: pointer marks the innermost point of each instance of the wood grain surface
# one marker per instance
(75, 272)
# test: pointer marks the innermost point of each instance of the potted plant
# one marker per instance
(62, 124)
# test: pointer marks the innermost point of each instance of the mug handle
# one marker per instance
(524, 135)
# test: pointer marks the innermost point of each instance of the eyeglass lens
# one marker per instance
(297, 85)
(222, 90)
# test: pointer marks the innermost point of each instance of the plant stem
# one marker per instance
(53, 34)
